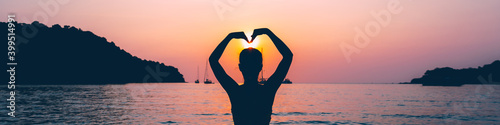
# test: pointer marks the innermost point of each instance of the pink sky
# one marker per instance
(424, 35)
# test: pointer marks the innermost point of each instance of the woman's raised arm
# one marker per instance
(225, 80)
(279, 75)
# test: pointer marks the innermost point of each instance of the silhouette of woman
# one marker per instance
(251, 103)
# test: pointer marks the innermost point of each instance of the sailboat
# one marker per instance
(197, 75)
(205, 77)
(287, 81)
(262, 79)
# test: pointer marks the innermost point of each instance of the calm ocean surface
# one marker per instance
(189, 103)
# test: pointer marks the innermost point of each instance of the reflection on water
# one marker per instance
(166, 103)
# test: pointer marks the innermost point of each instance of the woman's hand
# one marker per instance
(238, 35)
(260, 31)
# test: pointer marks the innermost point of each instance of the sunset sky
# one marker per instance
(425, 33)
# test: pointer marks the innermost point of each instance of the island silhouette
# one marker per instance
(68, 55)
(446, 76)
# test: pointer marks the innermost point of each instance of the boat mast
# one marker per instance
(205, 75)
(262, 70)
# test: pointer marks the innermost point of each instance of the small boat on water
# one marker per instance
(207, 81)
(197, 75)
(287, 81)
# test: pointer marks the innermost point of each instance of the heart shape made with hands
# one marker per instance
(252, 43)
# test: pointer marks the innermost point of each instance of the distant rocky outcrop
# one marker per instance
(68, 55)
(446, 76)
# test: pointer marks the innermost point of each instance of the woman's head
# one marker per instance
(250, 63)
